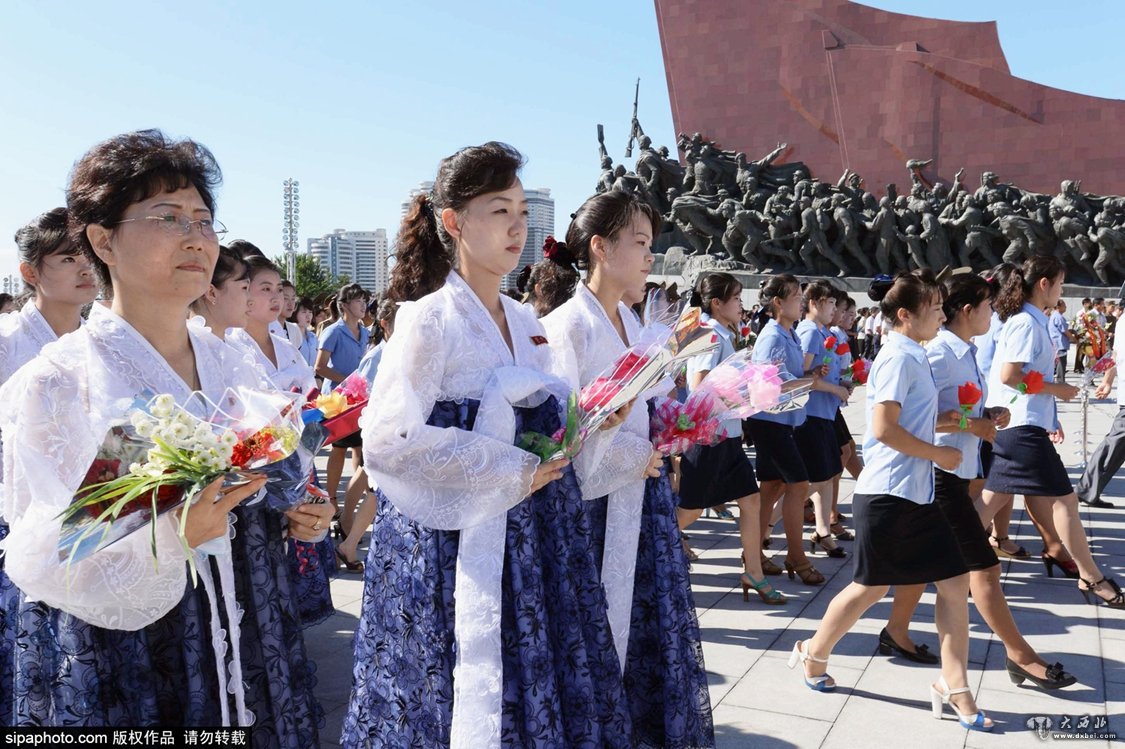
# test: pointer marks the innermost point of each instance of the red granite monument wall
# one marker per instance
(846, 85)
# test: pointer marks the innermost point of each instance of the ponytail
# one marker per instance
(1017, 288)
(422, 261)
(780, 287)
(424, 251)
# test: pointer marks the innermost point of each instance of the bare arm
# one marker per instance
(1011, 374)
(886, 429)
(322, 368)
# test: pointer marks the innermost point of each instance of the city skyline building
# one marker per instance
(540, 225)
(360, 255)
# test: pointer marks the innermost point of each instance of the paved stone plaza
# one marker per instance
(880, 702)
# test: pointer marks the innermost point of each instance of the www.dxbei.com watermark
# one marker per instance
(1071, 727)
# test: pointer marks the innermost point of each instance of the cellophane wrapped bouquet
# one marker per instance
(659, 354)
(338, 412)
(735, 389)
(161, 454)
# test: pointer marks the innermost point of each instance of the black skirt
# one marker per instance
(951, 495)
(1025, 462)
(779, 458)
(843, 432)
(816, 439)
(899, 542)
(985, 459)
(716, 474)
(355, 439)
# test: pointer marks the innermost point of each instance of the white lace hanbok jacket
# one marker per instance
(584, 343)
(446, 347)
(291, 371)
(23, 335)
(57, 411)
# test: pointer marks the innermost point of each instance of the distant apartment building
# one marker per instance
(360, 255)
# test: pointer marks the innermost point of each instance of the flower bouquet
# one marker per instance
(338, 412)
(636, 371)
(1101, 366)
(735, 389)
(856, 373)
(161, 454)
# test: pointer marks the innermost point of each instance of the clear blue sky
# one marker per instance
(359, 100)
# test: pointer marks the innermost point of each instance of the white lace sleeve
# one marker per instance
(443, 478)
(49, 443)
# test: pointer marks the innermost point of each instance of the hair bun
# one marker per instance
(880, 285)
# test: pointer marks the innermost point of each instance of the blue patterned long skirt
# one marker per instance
(562, 684)
(56, 670)
(278, 674)
(313, 566)
(60, 671)
(665, 680)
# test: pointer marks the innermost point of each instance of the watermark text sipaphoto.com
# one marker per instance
(1071, 727)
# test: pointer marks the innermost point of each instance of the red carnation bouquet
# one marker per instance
(857, 372)
(968, 395)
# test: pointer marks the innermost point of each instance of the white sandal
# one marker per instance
(979, 722)
(822, 683)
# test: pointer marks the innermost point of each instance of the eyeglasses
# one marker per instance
(180, 226)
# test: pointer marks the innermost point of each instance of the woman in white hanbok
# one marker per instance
(464, 513)
(644, 566)
(61, 281)
(116, 639)
(311, 562)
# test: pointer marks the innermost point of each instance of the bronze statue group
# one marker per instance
(766, 215)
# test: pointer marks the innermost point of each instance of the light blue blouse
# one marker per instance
(822, 405)
(900, 374)
(1025, 339)
(953, 363)
(776, 345)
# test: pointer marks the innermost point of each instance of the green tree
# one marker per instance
(313, 280)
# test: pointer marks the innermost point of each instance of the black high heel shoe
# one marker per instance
(921, 654)
(827, 545)
(1069, 568)
(1057, 678)
(1117, 602)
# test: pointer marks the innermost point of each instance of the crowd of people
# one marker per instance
(508, 600)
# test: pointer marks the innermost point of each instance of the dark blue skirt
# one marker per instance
(820, 448)
(562, 679)
(665, 680)
(1025, 462)
(60, 671)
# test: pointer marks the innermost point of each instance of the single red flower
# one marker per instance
(968, 394)
(1032, 383)
(843, 348)
(830, 343)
